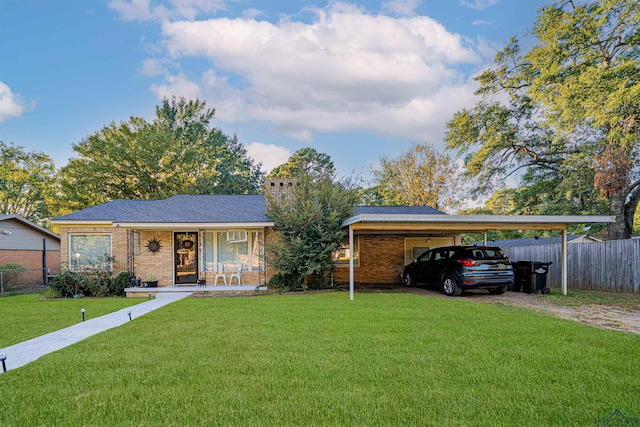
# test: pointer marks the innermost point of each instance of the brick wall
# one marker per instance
(118, 244)
(381, 261)
(31, 260)
(159, 265)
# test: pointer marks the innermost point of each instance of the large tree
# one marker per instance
(306, 161)
(177, 153)
(420, 176)
(27, 182)
(566, 112)
(308, 227)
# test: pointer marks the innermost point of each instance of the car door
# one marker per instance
(437, 266)
(421, 267)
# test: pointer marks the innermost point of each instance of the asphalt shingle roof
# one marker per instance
(397, 210)
(214, 208)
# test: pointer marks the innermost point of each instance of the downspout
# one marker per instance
(44, 261)
(351, 263)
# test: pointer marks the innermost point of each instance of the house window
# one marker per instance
(234, 246)
(341, 257)
(89, 251)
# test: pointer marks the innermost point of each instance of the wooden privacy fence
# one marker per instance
(612, 266)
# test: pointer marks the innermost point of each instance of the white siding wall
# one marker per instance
(23, 237)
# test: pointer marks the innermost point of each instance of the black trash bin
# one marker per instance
(531, 276)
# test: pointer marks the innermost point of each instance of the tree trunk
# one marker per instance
(622, 227)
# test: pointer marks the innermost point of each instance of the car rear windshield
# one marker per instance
(484, 253)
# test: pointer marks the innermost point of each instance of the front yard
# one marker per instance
(28, 316)
(320, 359)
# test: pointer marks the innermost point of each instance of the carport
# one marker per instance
(466, 224)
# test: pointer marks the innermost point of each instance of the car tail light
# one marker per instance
(467, 262)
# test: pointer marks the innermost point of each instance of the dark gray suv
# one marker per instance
(461, 267)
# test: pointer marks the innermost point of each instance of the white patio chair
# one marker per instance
(219, 272)
(234, 270)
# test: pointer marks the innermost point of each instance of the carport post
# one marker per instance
(564, 261)
(350, 263)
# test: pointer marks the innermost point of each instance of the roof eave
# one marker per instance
(192, 225)
(32, 225)
(480, 219)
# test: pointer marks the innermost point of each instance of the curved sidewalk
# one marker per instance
(25, 352)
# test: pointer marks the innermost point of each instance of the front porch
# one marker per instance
(143, 292)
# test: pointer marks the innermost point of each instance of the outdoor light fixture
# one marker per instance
(7, 232)
(129, 313)
(3, 357)
(82, 310)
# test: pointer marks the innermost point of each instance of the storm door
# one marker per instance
(186, 257)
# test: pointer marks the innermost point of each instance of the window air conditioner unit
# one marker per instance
(236, 236)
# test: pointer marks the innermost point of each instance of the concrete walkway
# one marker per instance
(25, 352)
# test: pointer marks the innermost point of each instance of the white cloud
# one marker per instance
(401, 7)
(146, 10)
(178, 86)
(478, 4)
(270, 155)
(347, 70)
(251, 13)
(152, 67)
(481, 22)
(11, 105)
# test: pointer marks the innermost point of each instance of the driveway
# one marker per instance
(600, 316)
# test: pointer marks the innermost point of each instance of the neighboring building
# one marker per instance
(24, 242)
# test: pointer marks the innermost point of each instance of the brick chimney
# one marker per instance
(280, 188)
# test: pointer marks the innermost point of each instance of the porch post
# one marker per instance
(564, 261)
(350, 263)
(485, 237)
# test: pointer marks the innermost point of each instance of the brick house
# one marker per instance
(189, 238)
(30, 245)
(186, 238)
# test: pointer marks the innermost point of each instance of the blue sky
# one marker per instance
(356, 80)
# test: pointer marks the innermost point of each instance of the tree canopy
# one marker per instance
(308, 226)
(565, 113)
(420, 176)
(306, 161)
(27, 182)
(177, 153)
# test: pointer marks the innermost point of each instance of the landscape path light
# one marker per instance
(82, 310)
(3, 357)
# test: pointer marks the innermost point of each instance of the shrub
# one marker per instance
(11, 273)
(121, 282)
(67, 284)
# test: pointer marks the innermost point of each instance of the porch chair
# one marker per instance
(219, 272)
(234, 270)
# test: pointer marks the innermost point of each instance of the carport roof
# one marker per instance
(468, 223)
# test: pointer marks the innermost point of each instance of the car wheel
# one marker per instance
(498, 291)
(450, 286)
(408, 281)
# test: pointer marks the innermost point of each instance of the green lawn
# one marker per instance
(27, 316)
(320, 359)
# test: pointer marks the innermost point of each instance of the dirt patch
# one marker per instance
(597, 315)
